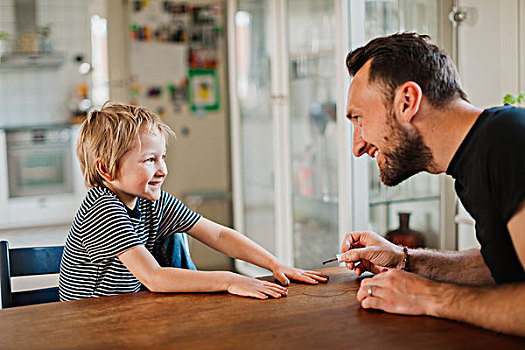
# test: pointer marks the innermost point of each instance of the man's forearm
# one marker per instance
(497, 308)
(465, 267)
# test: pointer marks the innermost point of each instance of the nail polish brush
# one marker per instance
(338, 259)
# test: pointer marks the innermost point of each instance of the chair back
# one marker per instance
(27, 262)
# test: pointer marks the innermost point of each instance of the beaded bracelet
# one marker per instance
(405, 259)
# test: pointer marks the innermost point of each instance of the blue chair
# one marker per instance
(27, 262)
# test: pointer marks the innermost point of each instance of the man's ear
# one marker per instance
(407, 100)
(101, 169)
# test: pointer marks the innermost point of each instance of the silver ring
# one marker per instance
(370, 291)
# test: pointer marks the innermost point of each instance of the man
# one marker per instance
(409, 113)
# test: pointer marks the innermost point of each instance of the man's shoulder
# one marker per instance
(505, 119)
(503, 128)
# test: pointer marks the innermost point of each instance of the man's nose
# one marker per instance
(359, 145)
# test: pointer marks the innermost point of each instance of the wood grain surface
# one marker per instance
(326, 316)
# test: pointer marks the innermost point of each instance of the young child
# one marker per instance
(108, 250)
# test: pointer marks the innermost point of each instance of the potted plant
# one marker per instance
(4, 44)
(514, 99)
(45, 39)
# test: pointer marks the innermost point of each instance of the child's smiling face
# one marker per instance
(141, 170)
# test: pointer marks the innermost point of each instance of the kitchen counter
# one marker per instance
(35, 236)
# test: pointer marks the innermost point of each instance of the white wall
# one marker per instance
(491, 65)
(489, 43)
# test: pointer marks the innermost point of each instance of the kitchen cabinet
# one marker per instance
(54, 60)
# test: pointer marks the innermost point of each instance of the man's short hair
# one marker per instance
(403, 57)
(107, 134)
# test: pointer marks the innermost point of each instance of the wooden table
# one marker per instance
(327, 316)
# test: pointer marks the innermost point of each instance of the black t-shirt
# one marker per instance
(489, 168)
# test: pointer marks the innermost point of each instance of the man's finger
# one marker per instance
(356, 254)
(359, 237)
(371, 303)
(347, 242)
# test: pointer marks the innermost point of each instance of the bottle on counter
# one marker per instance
(404, 235)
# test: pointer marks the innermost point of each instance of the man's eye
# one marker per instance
(150, 159)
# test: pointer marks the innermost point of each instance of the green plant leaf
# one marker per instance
(509, 98)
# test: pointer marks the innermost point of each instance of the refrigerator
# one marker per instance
(170, 56)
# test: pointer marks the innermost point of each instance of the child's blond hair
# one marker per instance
(107, 134)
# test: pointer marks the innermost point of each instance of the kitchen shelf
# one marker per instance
(403, 200)
(19, 61)
(295, 56)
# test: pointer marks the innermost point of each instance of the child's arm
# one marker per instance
(238, 246)
(139, 261)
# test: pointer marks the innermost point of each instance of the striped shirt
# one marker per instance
(102, 229)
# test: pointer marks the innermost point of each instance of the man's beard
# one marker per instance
(409, 154)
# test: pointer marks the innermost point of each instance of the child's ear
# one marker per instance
(101, 168)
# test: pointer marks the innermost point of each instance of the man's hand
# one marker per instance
(374, 252)
(500, 309)
(399, 292)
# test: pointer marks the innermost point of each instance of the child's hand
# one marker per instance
(251, 287)
(282, 271)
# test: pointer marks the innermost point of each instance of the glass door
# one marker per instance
(286, 130)
(291, 144)
(422, 195)
(254, 98)
(311, 29)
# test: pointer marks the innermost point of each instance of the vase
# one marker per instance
(404, 235)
